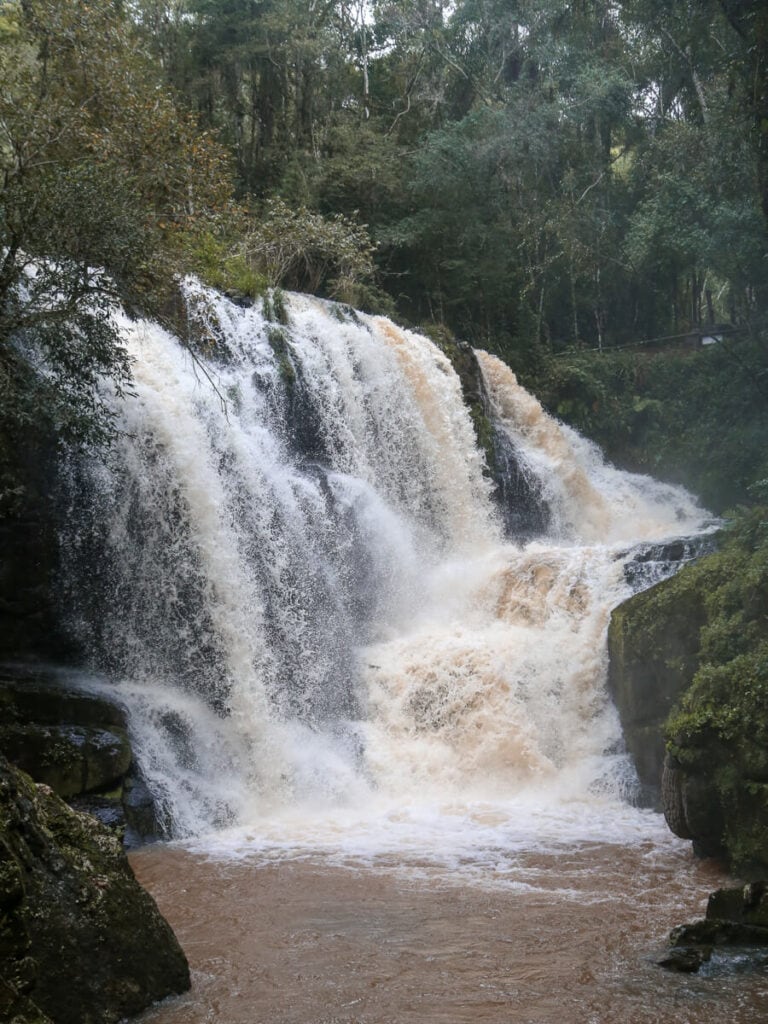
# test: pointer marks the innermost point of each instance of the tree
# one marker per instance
(100, 177)
(301, 249)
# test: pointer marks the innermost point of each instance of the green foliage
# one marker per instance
(532, 178)
(100, 177)
(720, 728)
(301, 249)
(212, 253)
(535, 176)
(697, 418)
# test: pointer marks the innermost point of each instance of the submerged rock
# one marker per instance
(685, 961)
(736, 922)
(80, 941)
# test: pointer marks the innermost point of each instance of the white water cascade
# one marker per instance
(296, 573)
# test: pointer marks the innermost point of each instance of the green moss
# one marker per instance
(278, 342)
(719, 729)
(464, 362)
(279, 307)
(274, 308)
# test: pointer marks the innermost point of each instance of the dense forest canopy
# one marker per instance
(533, 173)
(534, 177)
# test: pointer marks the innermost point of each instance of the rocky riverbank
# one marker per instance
(80, 942)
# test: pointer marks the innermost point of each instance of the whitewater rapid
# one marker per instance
(295, 573)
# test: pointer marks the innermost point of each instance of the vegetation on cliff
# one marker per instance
(720, 728)
(530, 177)
(693, 417)
(99, 172)
(706, 632)
(535, 175)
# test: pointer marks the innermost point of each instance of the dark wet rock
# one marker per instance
(747, 904)
(653, 563)
(692, 808)
(140, 810)
(735, 925)
(239, 298)
(70, 759)
(685, 960)
(519, 494)
(53, 695)
(29, 626)
(713, 932)
(108, 809)
(80, 940)
(653, 654)
(74, 742)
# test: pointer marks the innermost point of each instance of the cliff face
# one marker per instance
(653, 655)
(28, 549)
(689, 675)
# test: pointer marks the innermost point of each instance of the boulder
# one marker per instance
(692, 808)
(746, 904)
(80, 941)
(71, 740)
(70, 759)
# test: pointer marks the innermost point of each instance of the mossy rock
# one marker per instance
(70, 759)
(464, 362)
(653, 655)
(81, 942)
(694, 650)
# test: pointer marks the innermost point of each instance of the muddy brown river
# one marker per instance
(564, 937)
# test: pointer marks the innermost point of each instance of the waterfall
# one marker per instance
(293, 571)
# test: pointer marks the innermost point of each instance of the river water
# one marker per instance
(566, 935)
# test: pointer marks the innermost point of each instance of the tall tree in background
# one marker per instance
(696, 220)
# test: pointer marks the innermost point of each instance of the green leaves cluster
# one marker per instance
(531, 176)
(535, 176)
(306, 251)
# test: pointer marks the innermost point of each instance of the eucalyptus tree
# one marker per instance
(517, 205)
